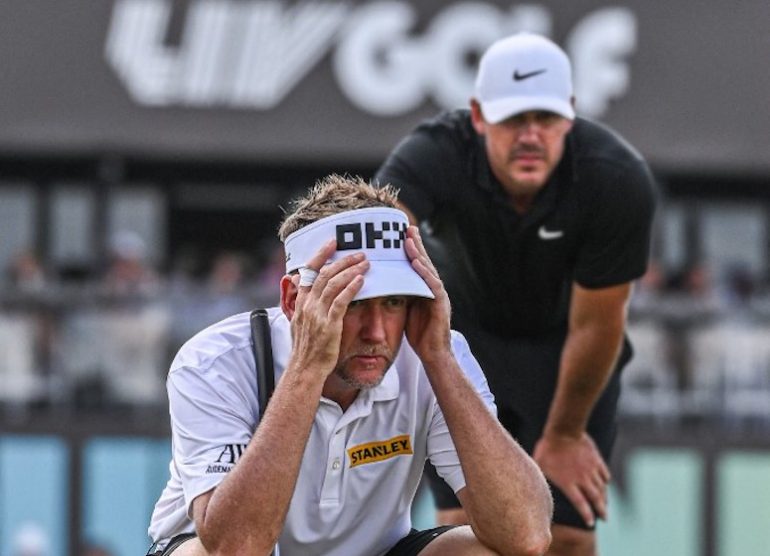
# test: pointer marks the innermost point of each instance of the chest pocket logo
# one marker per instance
(381, 450)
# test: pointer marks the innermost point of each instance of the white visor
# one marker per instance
(377, 232)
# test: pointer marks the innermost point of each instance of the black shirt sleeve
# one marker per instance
(423, 166)
(617, 231)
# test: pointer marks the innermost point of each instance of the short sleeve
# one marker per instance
(617, 235)
(423, 167)
(441, 449)
(212, 421)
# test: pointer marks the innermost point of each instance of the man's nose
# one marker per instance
(373, 328)
(530, 129)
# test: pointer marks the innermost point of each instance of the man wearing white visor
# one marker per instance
(370, 382)
(538, 221)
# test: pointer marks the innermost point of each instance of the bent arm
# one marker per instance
(245, 513)
(506, 497)
(565, 452)
(596, 324)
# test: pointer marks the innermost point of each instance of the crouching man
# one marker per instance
(370, 382)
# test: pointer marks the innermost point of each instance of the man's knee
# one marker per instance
(572, 541)
(460, 541)
(192, 547)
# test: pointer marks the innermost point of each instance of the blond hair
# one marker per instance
(332, 195)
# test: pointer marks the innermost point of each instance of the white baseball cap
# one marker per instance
(524, 72)
(379, 233)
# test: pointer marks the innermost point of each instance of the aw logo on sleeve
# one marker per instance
(228, 457)
(378, 451)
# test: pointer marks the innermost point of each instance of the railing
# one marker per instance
(699, 361)
(86, 350)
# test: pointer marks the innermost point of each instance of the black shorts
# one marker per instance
(411, 545)
(172, 545)
(522, 375)
(415, 541)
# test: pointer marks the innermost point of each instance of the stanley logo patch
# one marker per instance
(379, 451)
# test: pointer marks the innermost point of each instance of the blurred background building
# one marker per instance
(146, 147)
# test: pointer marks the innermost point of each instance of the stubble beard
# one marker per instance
(529, 182)
(351, 380)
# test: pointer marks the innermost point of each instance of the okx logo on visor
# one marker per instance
(377, 232)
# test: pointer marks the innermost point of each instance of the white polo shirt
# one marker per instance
(360, 469)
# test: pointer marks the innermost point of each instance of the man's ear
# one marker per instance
(477, 118)
(574, 104)
(289, 289)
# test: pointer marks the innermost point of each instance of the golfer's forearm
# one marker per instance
(508, 502)
(588, 358)
(246, 512)
(596, 324)
(506, 496)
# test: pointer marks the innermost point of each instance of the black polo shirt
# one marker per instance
(512, 273)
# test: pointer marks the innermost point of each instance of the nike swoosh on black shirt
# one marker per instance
(521, 76)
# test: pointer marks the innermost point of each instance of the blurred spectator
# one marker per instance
(739, 287)
(22, 381)
(129, 272)
(27, 327)
(26, 273)
(649, 289)
(697, 281)
(270, 274)
(196, 305)
(226, 276)
(115, 352)
(692, 293)
(185, 272)
(224, 294)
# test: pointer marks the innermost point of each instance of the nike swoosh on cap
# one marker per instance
(543, 233)
(522, 76)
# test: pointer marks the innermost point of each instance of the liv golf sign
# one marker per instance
(252, 54)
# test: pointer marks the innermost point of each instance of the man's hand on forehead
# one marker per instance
(427, 329)
(418, 255)
(321, 306)
(324, 272)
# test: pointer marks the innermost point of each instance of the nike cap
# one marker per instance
(524, 72)
(379, 233)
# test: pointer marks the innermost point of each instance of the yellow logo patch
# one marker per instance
(379, 451)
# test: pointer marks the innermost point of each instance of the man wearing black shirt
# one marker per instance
(538, 221)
